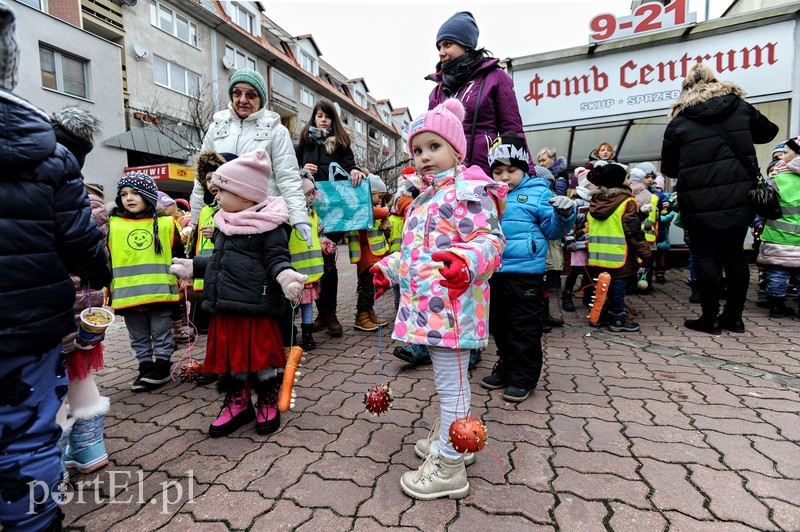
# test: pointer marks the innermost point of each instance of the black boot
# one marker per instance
(548, 319)
(704, 324)
(307, 343)
(621, 322)
(778, 308)
(661, 276)
(695, 296)
(566, 301)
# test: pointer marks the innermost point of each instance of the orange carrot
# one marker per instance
(285, 399)
(600, 292)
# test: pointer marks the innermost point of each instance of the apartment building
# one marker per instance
(157, 70)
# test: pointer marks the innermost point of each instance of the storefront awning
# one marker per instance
(148, 141)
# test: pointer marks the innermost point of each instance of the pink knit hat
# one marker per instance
(446, 121)
(246, 176)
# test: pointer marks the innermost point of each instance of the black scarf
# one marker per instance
(458, 71)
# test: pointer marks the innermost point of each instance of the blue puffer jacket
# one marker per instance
(528, 222)
(48, 231)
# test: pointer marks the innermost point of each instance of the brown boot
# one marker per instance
(374, 317)
(334, 327)
(322, 321)
(364, 322)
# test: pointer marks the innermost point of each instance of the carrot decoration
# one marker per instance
(292, 361)
(600, 293)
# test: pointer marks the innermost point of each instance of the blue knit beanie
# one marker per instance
(460, 29)
(252, 78)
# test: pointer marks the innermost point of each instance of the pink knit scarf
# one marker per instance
(257, 219)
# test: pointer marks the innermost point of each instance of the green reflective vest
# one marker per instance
(140, 276)
(307, 260)
(652, 220)
(786, 229)
(608, 247)
(396, 234)
(204, 247)
(375, 238)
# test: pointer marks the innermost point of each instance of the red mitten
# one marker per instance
(379, 280)
(454, 271)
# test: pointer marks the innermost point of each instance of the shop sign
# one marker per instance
(760, 60)
(162, 172)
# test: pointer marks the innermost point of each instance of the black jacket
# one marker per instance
(712, 183)
(318, 154)
(240, 274)
(48, 232)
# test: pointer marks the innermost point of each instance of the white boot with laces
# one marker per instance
(437, 477)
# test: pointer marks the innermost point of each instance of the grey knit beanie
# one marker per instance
(9, 50)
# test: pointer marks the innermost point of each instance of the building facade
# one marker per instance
(164, 71)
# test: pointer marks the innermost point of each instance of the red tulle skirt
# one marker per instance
(240, 343)
(82, 362)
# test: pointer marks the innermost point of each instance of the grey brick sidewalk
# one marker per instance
(662, 429)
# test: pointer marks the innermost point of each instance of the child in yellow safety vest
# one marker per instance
(616, 239)
(142, 245)
(366, 248)
(308, 260)
(406, 192)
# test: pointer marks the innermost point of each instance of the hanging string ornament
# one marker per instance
(190, 371)
(467, 435)
(378, 398)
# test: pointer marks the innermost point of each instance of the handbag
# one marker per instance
(341, 206)
(764, 197)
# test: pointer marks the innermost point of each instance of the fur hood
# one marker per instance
(207, 161)
(703, 92)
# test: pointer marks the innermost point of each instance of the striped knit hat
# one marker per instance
(9, 50)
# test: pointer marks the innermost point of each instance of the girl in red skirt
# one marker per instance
(246, 279)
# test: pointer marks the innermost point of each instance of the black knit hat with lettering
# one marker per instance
(509, 149)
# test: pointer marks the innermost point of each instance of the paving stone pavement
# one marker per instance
(665, 429)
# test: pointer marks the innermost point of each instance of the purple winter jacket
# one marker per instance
(498, 112)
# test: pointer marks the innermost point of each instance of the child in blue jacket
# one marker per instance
(533, 216)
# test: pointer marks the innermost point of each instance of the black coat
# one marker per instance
(712, 183)
(48, 232)
(318, 154)
(240, 274)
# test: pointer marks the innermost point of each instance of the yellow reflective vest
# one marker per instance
(307, 260)
(786, 229)
(375, 238)
(608, 247)
(204, 247)
(396, 234)
(652, 221)
(140, 276)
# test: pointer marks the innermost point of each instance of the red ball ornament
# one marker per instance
(378, 399)
(190, 371)
(468, 435)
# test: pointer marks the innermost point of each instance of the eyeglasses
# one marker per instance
(250, 95)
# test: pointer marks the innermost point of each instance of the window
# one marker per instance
(345, 119)
(64, 73)
(359, 126)
(308, 63)
(386, 141)
(282, 83)
(386, 118)
(176, 77)
(35, 4)
(306, 97)
(239, 58)
(173, 23)
(360, 152)
(361, 99)
(241, 17)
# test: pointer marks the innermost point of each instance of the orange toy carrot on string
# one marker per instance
(600, 293)
(285, 399)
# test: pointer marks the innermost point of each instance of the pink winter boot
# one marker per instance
(236, 411)
(268, 417)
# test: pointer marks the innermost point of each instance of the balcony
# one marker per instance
(103, 18)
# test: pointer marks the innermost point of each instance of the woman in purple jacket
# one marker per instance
(473, 76)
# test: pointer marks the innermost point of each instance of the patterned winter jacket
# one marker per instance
(460, 214)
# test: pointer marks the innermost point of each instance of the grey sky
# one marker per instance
(391, 44)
